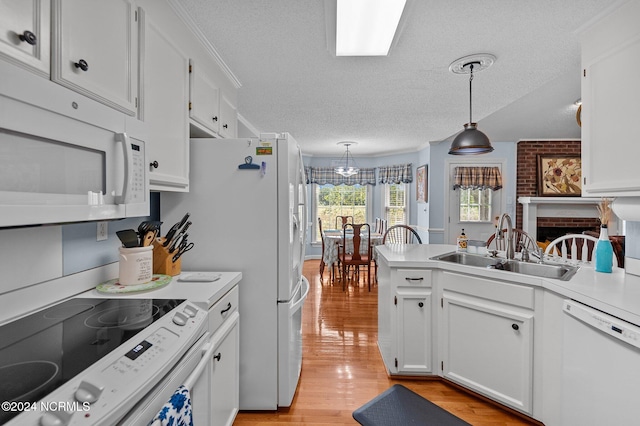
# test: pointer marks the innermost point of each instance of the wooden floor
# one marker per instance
(342, 368)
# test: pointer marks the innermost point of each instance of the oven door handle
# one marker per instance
(207, 351)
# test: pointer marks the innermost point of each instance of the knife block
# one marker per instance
(162, 259)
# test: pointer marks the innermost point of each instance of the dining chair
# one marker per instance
(321, 239)
(401, 234)
(520, 239)
(581, 246)
(356, 254)
(378, 225)
(381, 226)
(342, 221)
(322, 264)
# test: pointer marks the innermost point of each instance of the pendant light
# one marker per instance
(345, 167)
(471, 141)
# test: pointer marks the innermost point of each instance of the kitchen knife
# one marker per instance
(170, 234)
(184, 220)
(174, 229)
(177, 241)
(178, 237)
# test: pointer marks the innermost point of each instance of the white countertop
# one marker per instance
(203, 294)
(617, 293)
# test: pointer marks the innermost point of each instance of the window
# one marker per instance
(475, 205)
(395, 204)
(341, 200)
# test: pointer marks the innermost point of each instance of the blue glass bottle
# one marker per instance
(604, 251)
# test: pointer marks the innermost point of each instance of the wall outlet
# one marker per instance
(103, 230)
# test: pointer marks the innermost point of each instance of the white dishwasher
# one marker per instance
(601, 368)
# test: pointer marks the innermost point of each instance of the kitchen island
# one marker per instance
(497, 333)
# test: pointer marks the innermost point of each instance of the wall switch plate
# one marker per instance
(103, 230)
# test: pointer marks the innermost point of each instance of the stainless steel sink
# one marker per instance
(469, 259)
(544, 270)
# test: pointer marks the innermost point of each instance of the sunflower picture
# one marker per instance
(559, 176)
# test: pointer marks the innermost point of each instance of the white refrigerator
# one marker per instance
(247, 200)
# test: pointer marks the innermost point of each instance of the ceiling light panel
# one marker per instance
(366, 27)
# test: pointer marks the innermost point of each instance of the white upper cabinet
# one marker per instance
(610, 84)
(164, 97)
(95, 50)
(228, 119)
(204, 104)
(25, 34)
(211, 113)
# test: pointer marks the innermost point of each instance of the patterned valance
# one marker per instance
(477, 178)
(327, 175)
(399, 173)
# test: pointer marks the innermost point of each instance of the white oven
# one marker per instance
(104, 362)
(65, 157)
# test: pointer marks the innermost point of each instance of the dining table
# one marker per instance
(333, 238)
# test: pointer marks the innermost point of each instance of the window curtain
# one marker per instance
(327, 175)
(477, 178)
(399, 173)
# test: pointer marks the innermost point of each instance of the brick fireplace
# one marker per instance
(561, 215)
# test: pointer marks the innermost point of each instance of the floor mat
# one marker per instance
(401, 406)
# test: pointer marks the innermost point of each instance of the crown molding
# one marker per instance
(186, 18)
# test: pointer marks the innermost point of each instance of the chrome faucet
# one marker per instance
(499, 236)
(537, 252)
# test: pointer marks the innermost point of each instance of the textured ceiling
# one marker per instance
(280, 51)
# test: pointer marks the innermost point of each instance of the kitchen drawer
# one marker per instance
(413, 277)
(222, 309)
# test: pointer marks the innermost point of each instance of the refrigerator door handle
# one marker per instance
(304, 289)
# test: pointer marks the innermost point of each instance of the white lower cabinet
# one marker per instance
(414, 330)
(405, 326)
(487, 338)
(225, 371)
(473, 330)
(224, 379)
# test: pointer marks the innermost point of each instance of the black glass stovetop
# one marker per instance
(42, 351)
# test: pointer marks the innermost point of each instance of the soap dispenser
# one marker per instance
(462, 242)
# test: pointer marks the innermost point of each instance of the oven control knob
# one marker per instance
(55, 418)
(88, 392)
(180, 319)
(190, 310)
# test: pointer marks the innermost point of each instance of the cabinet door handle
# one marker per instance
(414, 279)
(28, 37)
(217, 356)
(421, 304)
(225, 126)
(515, 327)
(154, 165)
(222, 312)
(82, 64)
(215, 118)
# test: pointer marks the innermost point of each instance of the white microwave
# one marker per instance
(64, 157)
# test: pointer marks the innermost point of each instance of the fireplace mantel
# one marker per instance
(567, 207)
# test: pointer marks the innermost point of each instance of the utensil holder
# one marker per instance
(162, 259)
(135, 265)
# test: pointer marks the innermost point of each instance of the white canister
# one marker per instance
(136, 265)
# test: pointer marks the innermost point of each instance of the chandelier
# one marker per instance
(347, 165)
